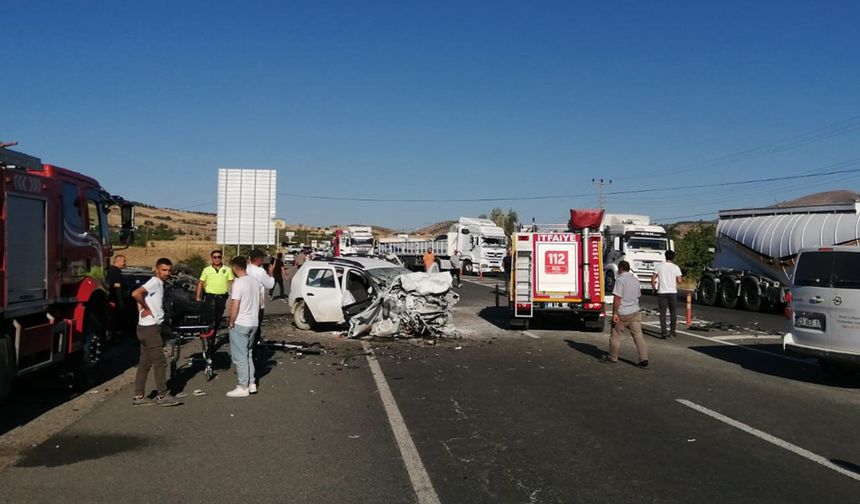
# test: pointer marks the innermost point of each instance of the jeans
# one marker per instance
(241, 353)
(669, 301)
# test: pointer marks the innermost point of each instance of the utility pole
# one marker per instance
(602, 183)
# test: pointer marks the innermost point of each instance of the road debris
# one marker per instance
(415, 304)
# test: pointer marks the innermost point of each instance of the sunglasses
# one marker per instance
(216, 257)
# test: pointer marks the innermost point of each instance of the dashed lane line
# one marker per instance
(818, 459)
(729, 343)
(417, 472)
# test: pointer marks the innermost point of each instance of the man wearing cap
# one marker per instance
(214, 286)
(267, 281)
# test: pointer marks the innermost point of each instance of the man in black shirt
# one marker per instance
(278, 275)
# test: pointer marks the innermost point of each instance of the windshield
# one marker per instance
(362, 241)
(494, 241)
(647, 243)
(385, 275)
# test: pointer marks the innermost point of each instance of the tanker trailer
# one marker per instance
(756, 250)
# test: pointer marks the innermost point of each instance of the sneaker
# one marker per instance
(606, 360)
(141, 401)
(239, 391)
(643, 364)
(252, 388)
(167, 400)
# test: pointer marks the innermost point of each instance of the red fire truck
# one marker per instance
(558, 270)
(55, 247)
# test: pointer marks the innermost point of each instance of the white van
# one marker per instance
(824, 306)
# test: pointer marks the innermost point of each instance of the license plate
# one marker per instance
(648, 266)
(555, 305)
(809, 320)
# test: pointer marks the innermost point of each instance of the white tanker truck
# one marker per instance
(756, 249)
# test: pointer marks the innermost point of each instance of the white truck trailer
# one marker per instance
(634, 239)
(756, 249)
(482, 245)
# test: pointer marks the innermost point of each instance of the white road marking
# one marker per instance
(729, 343)
(531, 335)
(746, 337)
(818, 459)
(417, 473)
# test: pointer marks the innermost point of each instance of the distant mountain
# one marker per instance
(822, 198)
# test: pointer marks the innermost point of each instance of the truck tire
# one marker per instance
(708, 291)
(729, 293)
(609, 282)
(302, 317)
(750, 297)
(467, 268)
(596, 324)
(90, 353)
(8, 365)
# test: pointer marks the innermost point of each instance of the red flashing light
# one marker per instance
(825, 249)
(788, 311)
(522, 238)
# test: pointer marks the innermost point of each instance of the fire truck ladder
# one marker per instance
(523, 283)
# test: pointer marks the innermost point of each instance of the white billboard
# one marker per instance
(246, 206)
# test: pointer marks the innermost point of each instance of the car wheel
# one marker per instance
(302, 317)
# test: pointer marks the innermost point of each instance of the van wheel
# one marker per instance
(302, 316)
(708, 291)
(750, 298)
(729, 293)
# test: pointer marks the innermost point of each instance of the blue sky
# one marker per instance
(439, 100)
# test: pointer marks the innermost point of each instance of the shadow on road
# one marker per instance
(42, 391)
(775, 366)
(66, 449)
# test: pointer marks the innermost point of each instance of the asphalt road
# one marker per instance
(498, 416)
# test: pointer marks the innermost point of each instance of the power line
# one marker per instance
(816, 174)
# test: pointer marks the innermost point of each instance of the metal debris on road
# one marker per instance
(415, 304)
(300, 347)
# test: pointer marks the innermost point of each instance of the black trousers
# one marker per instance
(455, 272)
(669, 301)
(258, 336)
(218, 302)
(279, 283)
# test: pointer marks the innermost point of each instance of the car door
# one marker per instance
(845, 302)
(323, 294)
(811, 299)
(357, 291)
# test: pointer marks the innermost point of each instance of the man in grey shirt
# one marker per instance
(626, 315)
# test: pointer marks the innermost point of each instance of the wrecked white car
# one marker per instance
(332, 291)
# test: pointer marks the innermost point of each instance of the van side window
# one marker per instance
(846, 270)
(814, 269)
(323, 278)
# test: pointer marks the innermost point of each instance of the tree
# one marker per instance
(507, 221)
(695, 250)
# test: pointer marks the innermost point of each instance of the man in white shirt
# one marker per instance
(665, 282)
(245, 299)
(626, 315)
(266, 280)
(149, 297)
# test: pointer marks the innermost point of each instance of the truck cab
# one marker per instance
(634, 239)
(481, 242)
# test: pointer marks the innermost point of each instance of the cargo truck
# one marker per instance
(756, 250)
(634, 239)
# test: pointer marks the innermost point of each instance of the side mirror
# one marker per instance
(465, 231)
(671, 244)
(126, 232)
